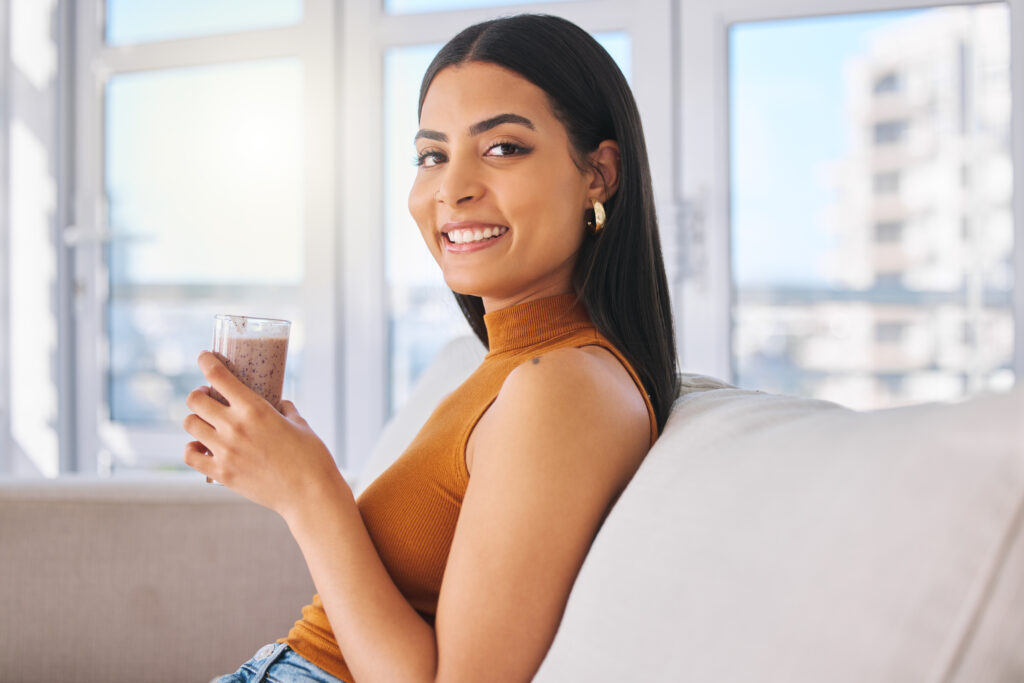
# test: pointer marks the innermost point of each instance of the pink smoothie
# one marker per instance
(258, 362)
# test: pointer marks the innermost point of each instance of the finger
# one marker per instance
(197, 457)
(201, 429)
(229, 386)
(200, 402)
(290, 412)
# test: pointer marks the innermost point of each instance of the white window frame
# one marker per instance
(705, 297)
(367, 32)
(100, 443)
(6, 446)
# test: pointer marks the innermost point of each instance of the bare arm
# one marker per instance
(561, 441)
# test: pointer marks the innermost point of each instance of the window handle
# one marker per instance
(691, 240)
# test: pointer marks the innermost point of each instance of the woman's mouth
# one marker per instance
(471, 239)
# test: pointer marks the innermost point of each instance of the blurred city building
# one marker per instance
(922, 227)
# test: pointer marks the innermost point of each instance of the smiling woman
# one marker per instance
(533, 195)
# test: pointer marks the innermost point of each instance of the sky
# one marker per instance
(787, 120)
(132, 21)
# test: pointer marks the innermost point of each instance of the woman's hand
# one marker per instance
(272, 458)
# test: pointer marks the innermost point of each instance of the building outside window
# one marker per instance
(913, 248)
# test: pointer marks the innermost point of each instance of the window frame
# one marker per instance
(99, 443)
(6, 445)
(704, 312)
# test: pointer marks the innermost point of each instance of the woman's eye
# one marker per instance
(505, 149)
(429, 158)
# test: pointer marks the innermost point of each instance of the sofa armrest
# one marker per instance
(140, 580)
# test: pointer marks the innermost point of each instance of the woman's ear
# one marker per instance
(604, 162)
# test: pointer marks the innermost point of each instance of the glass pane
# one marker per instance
(203, 178)
(143, 21)
(417, 6)
(423, 314)
(872, 227)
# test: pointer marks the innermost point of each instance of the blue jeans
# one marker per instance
(278, 663)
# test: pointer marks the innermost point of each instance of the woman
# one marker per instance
(533, 194)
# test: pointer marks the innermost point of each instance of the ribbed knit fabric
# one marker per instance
(411, 509)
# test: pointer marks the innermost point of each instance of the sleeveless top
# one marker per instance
(411, 509)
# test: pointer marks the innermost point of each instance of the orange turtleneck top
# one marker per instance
(411, 509)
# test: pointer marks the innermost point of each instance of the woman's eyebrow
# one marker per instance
(487, 124)
(478, 128)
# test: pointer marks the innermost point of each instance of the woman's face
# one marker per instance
(497, 196)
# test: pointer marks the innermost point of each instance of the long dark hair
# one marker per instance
(619, 273)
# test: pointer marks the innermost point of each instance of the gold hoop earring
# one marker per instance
(596, 222)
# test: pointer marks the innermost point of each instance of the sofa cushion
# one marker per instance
(771, 538)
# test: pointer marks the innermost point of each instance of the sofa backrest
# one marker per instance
(169, 579)
(770, 538)
(453, 364)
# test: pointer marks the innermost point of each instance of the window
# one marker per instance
(131, 21)
(889, 280)
(968, 335)
(887, 83)
(889, 332)
(894, 385)
(204, 195)
(889, 231)
(887, 182)
(201, 158)
(416, 6)
(888, 132)
(824, 182)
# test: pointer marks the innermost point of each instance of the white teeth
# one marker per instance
(464, 236)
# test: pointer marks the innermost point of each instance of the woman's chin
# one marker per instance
(463, 283)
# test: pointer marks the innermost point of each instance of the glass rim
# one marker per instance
(251, 318)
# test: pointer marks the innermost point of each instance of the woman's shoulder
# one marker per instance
(570, 368)
(585, 387)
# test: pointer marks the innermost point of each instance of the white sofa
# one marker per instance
(765, 538)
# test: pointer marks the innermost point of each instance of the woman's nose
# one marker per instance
(460, 183)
